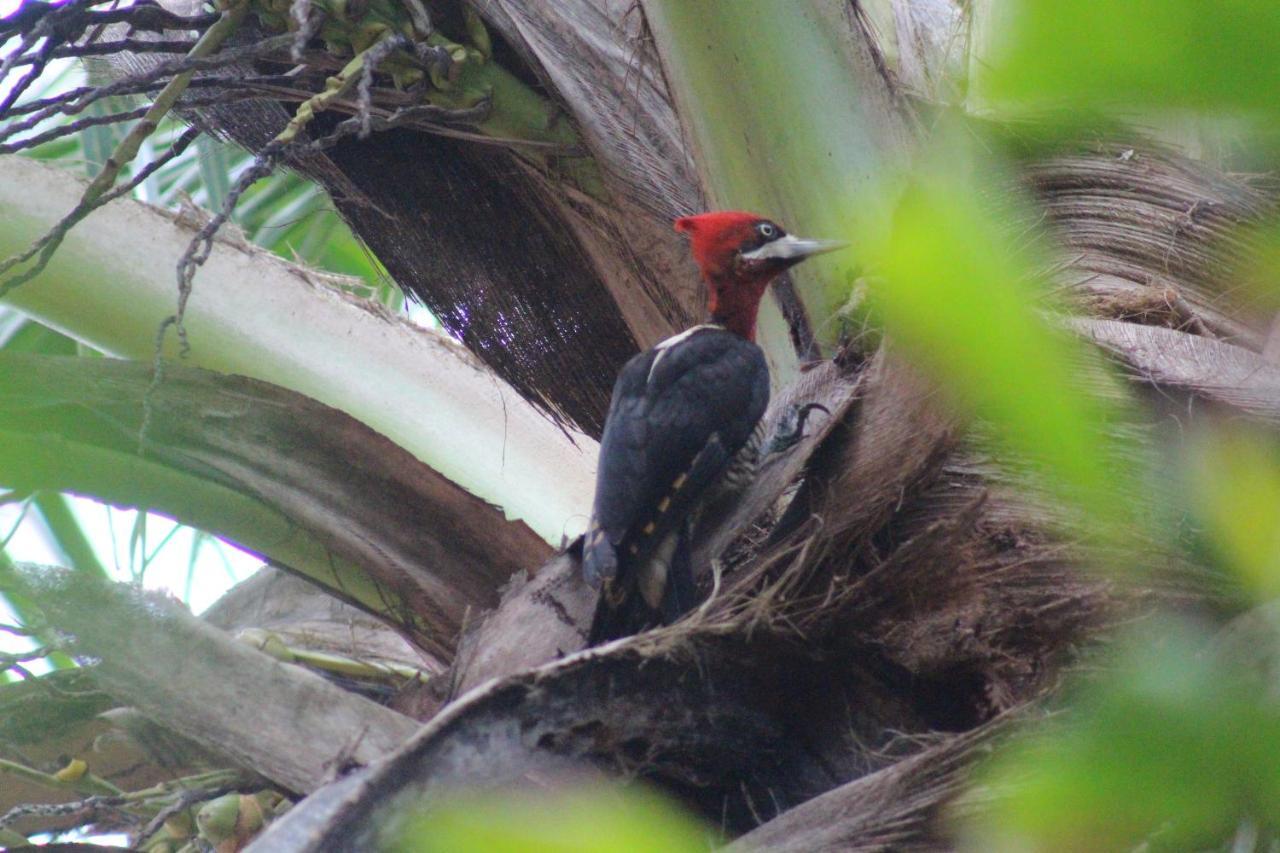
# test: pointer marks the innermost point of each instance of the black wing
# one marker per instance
(695, 400)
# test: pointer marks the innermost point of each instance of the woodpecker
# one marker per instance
(683, 429)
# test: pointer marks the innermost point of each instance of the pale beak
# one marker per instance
(792, 248)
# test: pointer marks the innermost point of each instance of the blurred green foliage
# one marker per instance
(1235, 485)
(1173, 746)
(1170, 746)
(959, 290)
(596, 820)
(1219, 56)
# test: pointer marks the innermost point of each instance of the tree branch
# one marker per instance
(743, 729)
(282, 722)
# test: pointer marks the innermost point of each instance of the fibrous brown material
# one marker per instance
(1152, 237)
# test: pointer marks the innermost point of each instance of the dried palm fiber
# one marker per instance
(1153, 237)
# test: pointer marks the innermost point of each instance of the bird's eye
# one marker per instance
(767, 230)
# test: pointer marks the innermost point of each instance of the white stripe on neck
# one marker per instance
(675, 339)
(663, 346)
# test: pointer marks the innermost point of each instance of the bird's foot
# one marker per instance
(791, 426)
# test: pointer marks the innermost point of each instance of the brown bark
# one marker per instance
(898, 808)
(1216, 371)
(1152, 237)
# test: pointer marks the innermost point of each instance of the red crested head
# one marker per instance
(739, 254)
(715, 238)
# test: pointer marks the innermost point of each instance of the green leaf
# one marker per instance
(138, 547)
(120, 315)
(215, 159)
(583, 821)
(1219, 55)
(68, 534)
(123, 478)
(18, 334)
(100, 140)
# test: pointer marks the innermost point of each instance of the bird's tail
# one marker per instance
(629, 613)
(679, 596)
(631, 616)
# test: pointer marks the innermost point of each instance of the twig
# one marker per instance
(373, 57)
(185, 800)
(74, 101)
(133, 84)
(62, 16)
(179, 145)
(28, 41)
(307, 23)
(70, 128)
(105, 48)
(90, 34)
(90, 806)
(30, 15)
(38, 62)
(12, 59)
(57, 102)
(87, 784)
(8, 660)
(201, 244)
(423, 116)
(189, 790)
(335, 87)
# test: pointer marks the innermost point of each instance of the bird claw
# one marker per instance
(791, 426)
